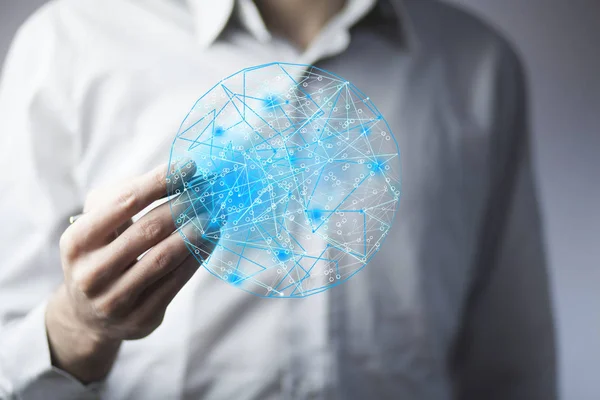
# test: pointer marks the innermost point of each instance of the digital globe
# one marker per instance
(296, 180)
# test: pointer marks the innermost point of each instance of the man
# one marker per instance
(455, 305)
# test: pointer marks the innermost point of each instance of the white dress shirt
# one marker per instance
(455, 302)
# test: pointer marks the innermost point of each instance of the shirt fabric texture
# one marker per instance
(454, 305)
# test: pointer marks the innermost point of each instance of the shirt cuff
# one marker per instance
(26, 366)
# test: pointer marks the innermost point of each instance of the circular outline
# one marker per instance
(307, 67)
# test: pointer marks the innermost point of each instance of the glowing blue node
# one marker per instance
(297, 180)
(282, 255)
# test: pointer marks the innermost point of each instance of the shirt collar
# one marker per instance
(211, 17)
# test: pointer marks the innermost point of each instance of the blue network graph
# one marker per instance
(298, 169)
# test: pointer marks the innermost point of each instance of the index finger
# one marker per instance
(132, 197)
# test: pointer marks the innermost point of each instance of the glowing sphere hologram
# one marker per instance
(299, 170)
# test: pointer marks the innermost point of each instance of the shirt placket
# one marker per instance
(309, 367)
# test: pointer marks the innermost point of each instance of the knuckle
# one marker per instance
(108, 307)
(83, 283)
(68, 244)
(151, 229)
(160, 260)
(128, 199)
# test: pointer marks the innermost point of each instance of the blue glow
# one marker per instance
(283, 255)
(315, 215)
(297, 179)
(219, 131)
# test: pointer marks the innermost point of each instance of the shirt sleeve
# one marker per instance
(38, 193)
(506, 349)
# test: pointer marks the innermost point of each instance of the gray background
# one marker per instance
(560, 44)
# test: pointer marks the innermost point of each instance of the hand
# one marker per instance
(109, 293)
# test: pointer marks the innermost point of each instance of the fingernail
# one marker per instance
(183, 165)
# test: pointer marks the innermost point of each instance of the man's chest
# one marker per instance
(397, 316)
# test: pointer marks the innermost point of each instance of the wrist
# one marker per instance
(75, 348)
